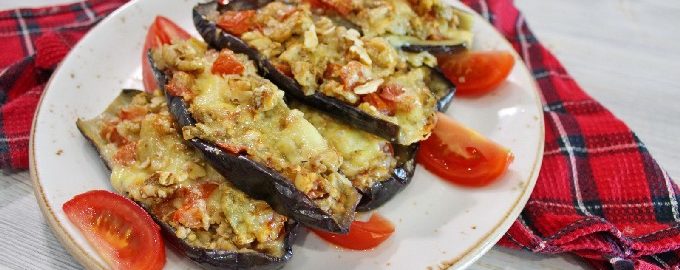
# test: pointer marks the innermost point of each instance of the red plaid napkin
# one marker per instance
(600, 195)
(33, 42)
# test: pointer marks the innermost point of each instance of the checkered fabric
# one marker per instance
(600, 195)
(33, 42)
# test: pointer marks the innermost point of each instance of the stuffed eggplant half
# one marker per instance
(242, 125)
(361, 80)
(377, 168)
(369, 161)
(412, 25)
(202, 214)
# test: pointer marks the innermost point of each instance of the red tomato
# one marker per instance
(362, 235)
(226, 63)
(123, 234)
(476, 73)
(236, 22)
(461, 155)
(126, 154)
(284, 68)
(161, 31)
(382, 105)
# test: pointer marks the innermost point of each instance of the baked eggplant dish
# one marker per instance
(412, 25)
(361, 80)
(369, 161)
(241, 123)
(201, 213)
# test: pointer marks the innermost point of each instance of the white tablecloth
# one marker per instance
(625, 53)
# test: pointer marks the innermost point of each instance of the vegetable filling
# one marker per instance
(151, 164)
(245, 114)
(324, 56)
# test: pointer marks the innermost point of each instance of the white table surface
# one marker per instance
(623, 52)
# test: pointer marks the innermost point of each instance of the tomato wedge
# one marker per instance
(461, 155)
(161, 31)
(362, 235)
(476, 73)
(123, 234)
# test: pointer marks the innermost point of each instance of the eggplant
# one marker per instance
(217, 38)
(207, 258)
(254, 178)
(412, 44)
(381, 192)
(442, 89)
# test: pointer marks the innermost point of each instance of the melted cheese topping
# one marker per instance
(367, 158)
(323, 56)
(423, 19)
(245, 113)
(151, 164)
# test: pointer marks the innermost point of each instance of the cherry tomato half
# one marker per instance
(476, 72)
(362, 235)
(461, 155)
(161, 31)
(121, 232)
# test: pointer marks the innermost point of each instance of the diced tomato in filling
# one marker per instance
(189, 216)
(236, 22)
(132, 113)
(388, 148)
(284, 68)
(232, 148)
(390, 92)
(353, 74)
(180, 85)
(384, 106)
(226, 63)
(110, 134)
(189, 213)
(126, 154)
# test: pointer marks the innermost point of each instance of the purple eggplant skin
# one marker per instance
(219, 39)
(434, 49)
(381, 192)
(442, 88)
(251, 177)
(206, 258)
(222, 259)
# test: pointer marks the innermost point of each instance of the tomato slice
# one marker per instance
(236, 22)
(123, 234)
(476, 73)
(161, 31)
(362, 235)
(461, 155)
(226, 63)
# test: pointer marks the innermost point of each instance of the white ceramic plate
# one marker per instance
(437, 224)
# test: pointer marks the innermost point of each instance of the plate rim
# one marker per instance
(465, 259)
